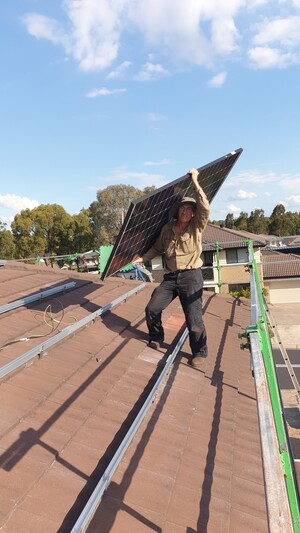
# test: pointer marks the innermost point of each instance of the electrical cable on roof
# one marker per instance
(50, 321)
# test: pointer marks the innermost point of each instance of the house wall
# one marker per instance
(236, 272)
(283, 290)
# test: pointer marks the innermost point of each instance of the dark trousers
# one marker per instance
(188, 286)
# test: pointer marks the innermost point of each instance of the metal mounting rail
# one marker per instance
(90, 508)
(37, 350)
(38, 296)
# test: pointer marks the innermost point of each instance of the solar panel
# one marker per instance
(147, 215)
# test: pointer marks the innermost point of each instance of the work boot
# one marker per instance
(198, 360)
(154, 344)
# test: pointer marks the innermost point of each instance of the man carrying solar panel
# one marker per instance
(181, 243)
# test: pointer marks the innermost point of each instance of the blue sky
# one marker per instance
(101, 92)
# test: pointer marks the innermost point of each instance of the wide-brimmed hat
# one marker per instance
(187, 200)
(182, 201)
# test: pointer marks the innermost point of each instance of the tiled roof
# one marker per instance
(194, 464)
(228, 238)
(295, 241)
(280, 265)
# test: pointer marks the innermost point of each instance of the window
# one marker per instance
(207, 270)
(237, 255)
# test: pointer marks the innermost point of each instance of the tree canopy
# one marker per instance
(108, 211)
(280, 223)
(45, 230)
(7, 245)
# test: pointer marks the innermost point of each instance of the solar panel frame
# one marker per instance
(147, 215)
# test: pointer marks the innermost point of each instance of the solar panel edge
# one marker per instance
(177, 180)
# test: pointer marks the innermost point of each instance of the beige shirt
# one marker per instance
(183, 251)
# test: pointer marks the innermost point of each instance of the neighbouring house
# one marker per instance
(273, 241)
(281, 275)
(87, 261)
(286, 244)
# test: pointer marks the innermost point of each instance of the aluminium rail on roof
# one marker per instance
(92, 504)
(35, 297)
(69, 330)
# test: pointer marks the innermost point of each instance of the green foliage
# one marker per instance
(108, 212)
(83, 238)
(280, 223)
(7, 245)
(229, 221)
(241, 223)
(245, 293)
(46, 229)
(284, 223)
(257, 222)
(265, 292)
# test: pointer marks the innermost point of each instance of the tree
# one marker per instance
(282, 223)
(257, 222)
(149, 189)
(46, 229)
(108, 211)
(229, 221)
(7, 246)
(278, 211)
(241, 222)
(83, 238)
(23, 235)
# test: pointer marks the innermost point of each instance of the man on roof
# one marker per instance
(181, 243)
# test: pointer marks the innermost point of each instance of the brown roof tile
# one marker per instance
(195, 462)
(228, 238)
(280, 265)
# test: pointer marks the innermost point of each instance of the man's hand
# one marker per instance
(194, 177)
(137, 259)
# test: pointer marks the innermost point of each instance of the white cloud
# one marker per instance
(218, 80)
(276, 43)
(290, 183)
(6, 220)
(17, 203)
(284, 31)
(243, 195)
(45, 28)
(151, 71)
(265, 57)
(104, 92)
(252, 177)
(92, 35)
(293, 200)
(190, 32)
(233, 209)
(119, 71)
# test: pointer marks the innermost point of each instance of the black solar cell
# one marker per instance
(147, 215)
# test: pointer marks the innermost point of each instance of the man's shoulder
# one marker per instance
(168, 226)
